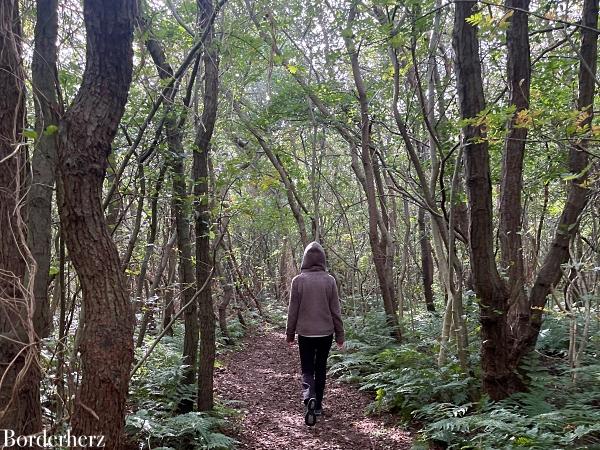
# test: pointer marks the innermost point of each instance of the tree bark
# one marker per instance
(20, 408)
(204, 260)
(44, 160)
(511, 242)
(181, 211)
(497, 377)
(85, 137)
(426, 262)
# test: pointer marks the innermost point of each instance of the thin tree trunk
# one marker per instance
(379, 236)
(426, 262)
(227, 286)
(151, 239)
(62, 331)
(135, 231)
(204, 260)
(44, 160)
(150, 298)
(182, 213)
(169, 301)
(509, 230)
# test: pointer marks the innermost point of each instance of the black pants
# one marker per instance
(313, 359)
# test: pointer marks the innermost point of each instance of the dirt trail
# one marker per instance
(265, 379)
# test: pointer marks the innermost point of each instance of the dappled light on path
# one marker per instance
(263, 381)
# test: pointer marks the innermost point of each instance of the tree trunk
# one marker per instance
(204, 260)
(150, 302)
(169, 301)
(426, 262)
(498, 378)
(151, 239)
(19, 373)
(181, 211)
(511, 242)
(43, 162)
(379, 235)
(577, 196)
(85, 137)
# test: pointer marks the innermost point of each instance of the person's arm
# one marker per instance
(293, 307)
(336, 314)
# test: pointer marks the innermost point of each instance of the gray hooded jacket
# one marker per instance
(314, 308)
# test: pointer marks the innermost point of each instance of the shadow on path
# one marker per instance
(264, 379)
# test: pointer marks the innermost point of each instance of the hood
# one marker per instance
(314, 257)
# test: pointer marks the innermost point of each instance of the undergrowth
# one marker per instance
(155, 392)
(444, 403)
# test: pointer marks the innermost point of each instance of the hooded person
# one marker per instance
(314, 314)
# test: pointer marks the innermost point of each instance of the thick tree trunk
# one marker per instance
(498, 378)
(509, 334)
(86, 134)
(19, 372)
(204, 260)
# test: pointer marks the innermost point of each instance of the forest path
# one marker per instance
(265, 379)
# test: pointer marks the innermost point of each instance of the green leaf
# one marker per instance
(51, 130)
(30, 133)
(475, 19)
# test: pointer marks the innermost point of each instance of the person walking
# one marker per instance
(314, 313)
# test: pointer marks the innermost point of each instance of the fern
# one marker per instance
(192, 430)
(156, 391)
(405, 379)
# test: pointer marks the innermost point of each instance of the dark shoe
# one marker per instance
(310, 418)
(319, 408)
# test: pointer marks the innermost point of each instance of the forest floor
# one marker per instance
(263, 381)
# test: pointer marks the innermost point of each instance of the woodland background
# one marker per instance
(163, 163)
